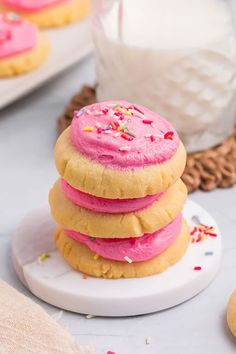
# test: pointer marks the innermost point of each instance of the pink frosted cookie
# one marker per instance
(21, 47)
(108, 224)
(136, 249)
(119, 150)
(48, 13)
(82, 259)
(123, 136)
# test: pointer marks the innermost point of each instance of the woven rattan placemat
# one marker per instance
(205, 170)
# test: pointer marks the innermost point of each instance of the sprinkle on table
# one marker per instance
(202, 232)
(196, 220)
(85, 277)
(197, 268)
(127, 259)
(148, 340)
(43, 257)
(90, 316)
(208, 253)
(109, 352)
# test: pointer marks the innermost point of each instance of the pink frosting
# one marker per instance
(146, 139)
(103, 205)
(16, 35)
(136, 249)
(31, 5)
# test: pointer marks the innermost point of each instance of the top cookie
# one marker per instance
(118, 150)
(123, 136)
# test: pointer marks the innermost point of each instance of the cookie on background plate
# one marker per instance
(231, 313)
(22, 47)
(48, 13)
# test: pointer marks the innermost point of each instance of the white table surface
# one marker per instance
(27, 135)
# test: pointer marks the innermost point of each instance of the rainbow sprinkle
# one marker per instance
(127, 259)
(125, 148)
(208, 253)
(43, 257)
(79, 113)
(127, 137)
(152, 138)
(197, 268)
(88, 129)
(147, 121)
(169, 135)
(119, 119)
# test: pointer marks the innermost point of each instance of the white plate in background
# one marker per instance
(69, 44)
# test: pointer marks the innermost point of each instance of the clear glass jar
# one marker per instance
(178, 58)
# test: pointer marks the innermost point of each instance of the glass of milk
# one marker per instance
(177, 57)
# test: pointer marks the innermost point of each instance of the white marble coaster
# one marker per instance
(56, 283)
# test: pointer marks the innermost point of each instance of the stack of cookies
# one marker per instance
(119, 200)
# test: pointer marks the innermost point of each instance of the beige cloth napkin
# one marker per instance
(26, 328)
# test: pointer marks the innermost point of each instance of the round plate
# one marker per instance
(53, 281)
